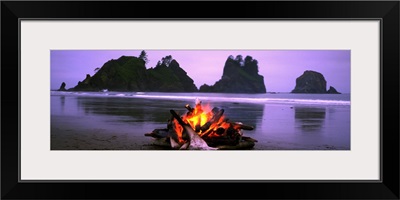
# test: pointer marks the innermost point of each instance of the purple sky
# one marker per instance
(280, 68)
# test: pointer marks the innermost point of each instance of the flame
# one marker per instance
(178, 130)
(197, 118)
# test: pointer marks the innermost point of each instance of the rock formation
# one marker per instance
(332, 90)
(128, 73)
(169, 77)
(239, 76)
(62, 87)
(312, 82)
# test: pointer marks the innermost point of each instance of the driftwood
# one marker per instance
(241, 145)
(241, 126)
(222, 140)
(216, 133)
(158, 133)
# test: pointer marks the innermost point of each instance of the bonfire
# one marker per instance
(202, 128)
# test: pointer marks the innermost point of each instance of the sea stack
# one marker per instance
(312, 82)
(62, 87)
(332, 90)
(239, 76)
(129, 73)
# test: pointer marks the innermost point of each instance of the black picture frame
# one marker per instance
(386, 11)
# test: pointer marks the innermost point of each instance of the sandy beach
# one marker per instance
(114, 123)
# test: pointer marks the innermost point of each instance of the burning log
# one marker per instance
(220, 131)
(190, 109)
(195, 143)
(215, 118)
(202, 128)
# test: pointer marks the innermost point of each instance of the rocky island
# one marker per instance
(239, 76)
(128, 73)
(312, 82)
(62, 87)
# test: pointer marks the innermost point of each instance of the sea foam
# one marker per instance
(204, 97)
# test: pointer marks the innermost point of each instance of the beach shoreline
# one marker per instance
(92, 123)
(77, 137)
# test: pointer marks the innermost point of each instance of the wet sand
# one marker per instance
(113, 123)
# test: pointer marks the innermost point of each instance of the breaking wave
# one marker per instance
(213, 97)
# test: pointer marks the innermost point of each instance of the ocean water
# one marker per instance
(268, 98)
(282, 121)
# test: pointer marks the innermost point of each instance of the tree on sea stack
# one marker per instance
(143, 56)
(239, 76)
(166, 60)
(239, 59)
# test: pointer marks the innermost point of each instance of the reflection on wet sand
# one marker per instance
(62, 100)
(150, 110)
(309, 119)
(130, 109)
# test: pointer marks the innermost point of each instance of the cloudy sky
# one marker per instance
(280, 68)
